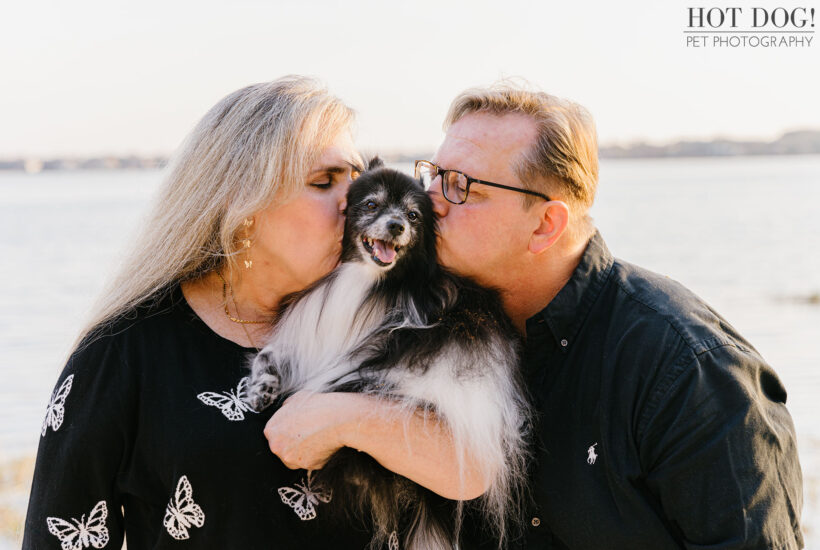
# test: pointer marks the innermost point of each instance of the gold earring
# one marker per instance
(246, 242)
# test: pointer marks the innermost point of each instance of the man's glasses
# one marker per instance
(455, 185)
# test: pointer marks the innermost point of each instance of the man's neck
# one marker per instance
(537, 285)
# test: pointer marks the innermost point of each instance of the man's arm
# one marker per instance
(721, 454)
(309, 428)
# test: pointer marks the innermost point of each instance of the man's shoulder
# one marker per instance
(670, 341)
(648, 301)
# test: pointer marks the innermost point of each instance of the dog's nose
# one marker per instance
(395, 228)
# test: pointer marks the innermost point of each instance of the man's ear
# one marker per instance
(553, 221)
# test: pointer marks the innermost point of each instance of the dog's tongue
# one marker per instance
(383, 251)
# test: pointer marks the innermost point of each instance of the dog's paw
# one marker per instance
(262, 391)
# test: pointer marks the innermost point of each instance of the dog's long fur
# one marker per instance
(398, 326)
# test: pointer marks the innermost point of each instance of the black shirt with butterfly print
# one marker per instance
(147, 437)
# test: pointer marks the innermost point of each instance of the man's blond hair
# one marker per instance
(562, 162)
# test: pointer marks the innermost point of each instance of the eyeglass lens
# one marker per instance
(453, 185)
(426, 173)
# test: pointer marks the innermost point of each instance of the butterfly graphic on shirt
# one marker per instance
(304, 498)
(79, 534)
(393, 541)
(182, 512)
(232, 403)
(55, 411)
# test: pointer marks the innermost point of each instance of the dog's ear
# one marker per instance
(375, 162)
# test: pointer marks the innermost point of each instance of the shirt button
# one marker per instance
(536, 522)
(564, 342)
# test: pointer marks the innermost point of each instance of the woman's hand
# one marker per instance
(307, 429)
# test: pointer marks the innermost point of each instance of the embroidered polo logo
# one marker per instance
(591, 456)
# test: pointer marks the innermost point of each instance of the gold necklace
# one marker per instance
(248, 334)
(233, 299)
(241, 322)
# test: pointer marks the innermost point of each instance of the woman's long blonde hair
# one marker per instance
(254, 147)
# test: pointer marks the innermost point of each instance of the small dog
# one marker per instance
(391, 322)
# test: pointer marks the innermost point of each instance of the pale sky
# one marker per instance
(91, 77)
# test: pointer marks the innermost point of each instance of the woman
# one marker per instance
(146, 434)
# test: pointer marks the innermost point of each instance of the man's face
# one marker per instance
(485, 238)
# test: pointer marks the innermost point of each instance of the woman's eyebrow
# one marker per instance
(337, 169)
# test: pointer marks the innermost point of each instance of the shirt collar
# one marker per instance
(570, 307)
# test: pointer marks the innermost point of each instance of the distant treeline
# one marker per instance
(803, 142)
(131, 162)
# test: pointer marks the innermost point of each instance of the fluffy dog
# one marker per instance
(391, 322)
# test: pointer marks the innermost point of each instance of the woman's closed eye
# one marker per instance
(336, 176)
(326, 181)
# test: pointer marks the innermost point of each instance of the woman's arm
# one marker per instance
(82, 444)
(309, 428)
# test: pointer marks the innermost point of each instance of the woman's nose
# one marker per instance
(343, 188)
(440, 204)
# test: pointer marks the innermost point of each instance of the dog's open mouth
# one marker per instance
(381, 252)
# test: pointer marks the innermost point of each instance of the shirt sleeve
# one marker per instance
(720, 454)
(84, 440)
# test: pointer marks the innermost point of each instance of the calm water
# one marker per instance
(743, 233)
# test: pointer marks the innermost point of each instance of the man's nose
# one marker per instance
(440, 204)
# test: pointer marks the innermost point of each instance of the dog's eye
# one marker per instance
(371, 205)
(412, 216)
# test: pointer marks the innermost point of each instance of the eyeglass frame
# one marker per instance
(470, 180)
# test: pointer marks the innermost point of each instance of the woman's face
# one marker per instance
(300, 241)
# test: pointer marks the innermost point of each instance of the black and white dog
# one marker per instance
(390, 322)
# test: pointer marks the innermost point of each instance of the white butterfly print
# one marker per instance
(81, 534)
(182, 512)
(56, 406)
(233, 405)
(304, 498)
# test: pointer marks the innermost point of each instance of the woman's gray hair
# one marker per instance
(252, 149)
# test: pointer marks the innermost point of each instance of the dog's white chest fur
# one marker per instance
(321, 328)
(424, 340)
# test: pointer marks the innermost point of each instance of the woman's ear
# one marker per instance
(553, 220)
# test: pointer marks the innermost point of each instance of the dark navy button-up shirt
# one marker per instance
(658, 425)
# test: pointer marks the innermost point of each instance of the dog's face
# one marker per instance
(389, 217)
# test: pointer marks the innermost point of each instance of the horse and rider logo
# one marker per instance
(591, 456)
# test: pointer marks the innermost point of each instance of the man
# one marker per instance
(658, 426)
